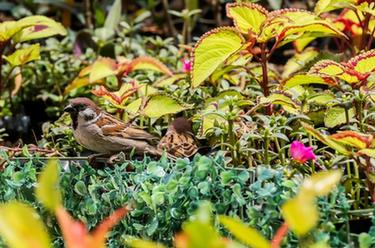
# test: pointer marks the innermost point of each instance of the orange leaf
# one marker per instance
(17, 84)
(148, 63)
(353, 139)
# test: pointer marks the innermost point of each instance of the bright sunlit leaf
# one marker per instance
(363, 63)
(353, 139)
(333, 69)
(247, 17)
(303, 79)
(159, 105)
(243, 233)
(102, 68)
(323, 6)
(139, 243)
(23, 56)
(299, 61)
(48, 190)
(337, 116)
(321, 183)
(301, 214)
(21, 227)
(212, 50)
(149, 63)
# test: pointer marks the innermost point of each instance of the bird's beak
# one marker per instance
(69, 108)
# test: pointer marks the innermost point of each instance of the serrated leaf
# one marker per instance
(212, 50)
(247, 17)
(243, 233)
(48, 190)
(333, 69)
(21, 226)
(299, 61)
(363, 63)
(23, 56)
(303, 79)
(159, 105)
(336, 116)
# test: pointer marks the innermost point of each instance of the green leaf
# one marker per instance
(159, 105)
(247, 17)
(21, 226)
(365, 240)
(212, 50)
(47, 190)
(37, 27)
(301, 214)
(114, 16)
(149, 63)
(321, 183)
(102, 67)
(336, 116)
(23, 56)
(303, 79)
(246, 235)
(299, 61)
(323, 6)
(133, 107)
(8, 29)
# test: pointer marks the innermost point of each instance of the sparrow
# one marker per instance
(179, 141)
(101, 132)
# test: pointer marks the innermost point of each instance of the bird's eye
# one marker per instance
(81, 107)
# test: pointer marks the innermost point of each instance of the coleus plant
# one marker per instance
(254, 29)
(12, 34)
(359, 146)
(300, 213)
(21, 226)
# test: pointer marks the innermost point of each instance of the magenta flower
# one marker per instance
(186, 65)
(301, 153)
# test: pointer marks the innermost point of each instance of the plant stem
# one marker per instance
(88, 14)
(264, 83)
(266, 145)
(281, 153)
(171, 27)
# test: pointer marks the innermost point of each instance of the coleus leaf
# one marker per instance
(247, 17)
(331, 68)
(119, 97)
(303, 79)
(340, 148)
(320, 184)
(37, 27)
(283, 99)
(21, 226)
(23, 56)
(336, 116)
(323, 6)
(148, 63)
(8, 29)
(353, 139)
(212, 49)
(102, 68)
(299, 61)
(363, 63)
(301, 43)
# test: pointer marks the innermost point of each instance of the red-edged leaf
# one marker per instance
(99, 234)
(333, 69)
(74, 232)
(353, 139)
(102, 68)
(363, 63)
(303, 79)
(117, 97)
(148, 63)
(247, 17)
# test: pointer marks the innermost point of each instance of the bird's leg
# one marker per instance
(116, 158)
(92, 158)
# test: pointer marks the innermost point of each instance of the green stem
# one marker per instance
(266, 145)
(280, 152)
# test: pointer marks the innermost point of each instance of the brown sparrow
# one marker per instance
(179, 141)
(101, 132)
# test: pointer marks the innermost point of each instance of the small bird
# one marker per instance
(101, 132)
(179, 141)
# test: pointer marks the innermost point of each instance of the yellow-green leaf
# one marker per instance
(283, 99)
(48, 190)
(169, 80)
(333, 69)
(139, 243)
(212, 50)
(299, 61)
(364, 62)
(8, 29)
(159, 105)
(23, 56)
(321, 183)
(133, 107)
(336, 116)
(301, 214)
(21, 227)
(323, 6)
(37, 27)
(149, 63)
(243, 233)
(247, 17)
(102, 68)
(303, 79)
(353, 139)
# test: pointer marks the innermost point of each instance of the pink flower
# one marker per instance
(301, 153)
(186, 65)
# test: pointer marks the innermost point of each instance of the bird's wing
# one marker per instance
(112, 126)
(179, 144)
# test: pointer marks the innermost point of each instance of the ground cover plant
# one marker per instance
(280, 95)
